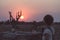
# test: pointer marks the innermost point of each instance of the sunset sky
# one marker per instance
(33, 10)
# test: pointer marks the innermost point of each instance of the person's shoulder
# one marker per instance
(52, 28)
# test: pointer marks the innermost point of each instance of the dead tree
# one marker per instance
(18, 15)
(11, 17)
(12, 21)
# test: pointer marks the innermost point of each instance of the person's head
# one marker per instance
(48, 19)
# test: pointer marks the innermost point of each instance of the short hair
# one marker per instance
(48, 19)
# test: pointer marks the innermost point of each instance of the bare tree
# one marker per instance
(11, 17)
(18, 15)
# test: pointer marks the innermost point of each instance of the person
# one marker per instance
(49, 31)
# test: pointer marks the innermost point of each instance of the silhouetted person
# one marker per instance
(48, 32)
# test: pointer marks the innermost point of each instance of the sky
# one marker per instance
(33, 10)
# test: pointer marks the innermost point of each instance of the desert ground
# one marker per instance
(28, 28)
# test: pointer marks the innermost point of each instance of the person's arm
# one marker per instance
(53, 36)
